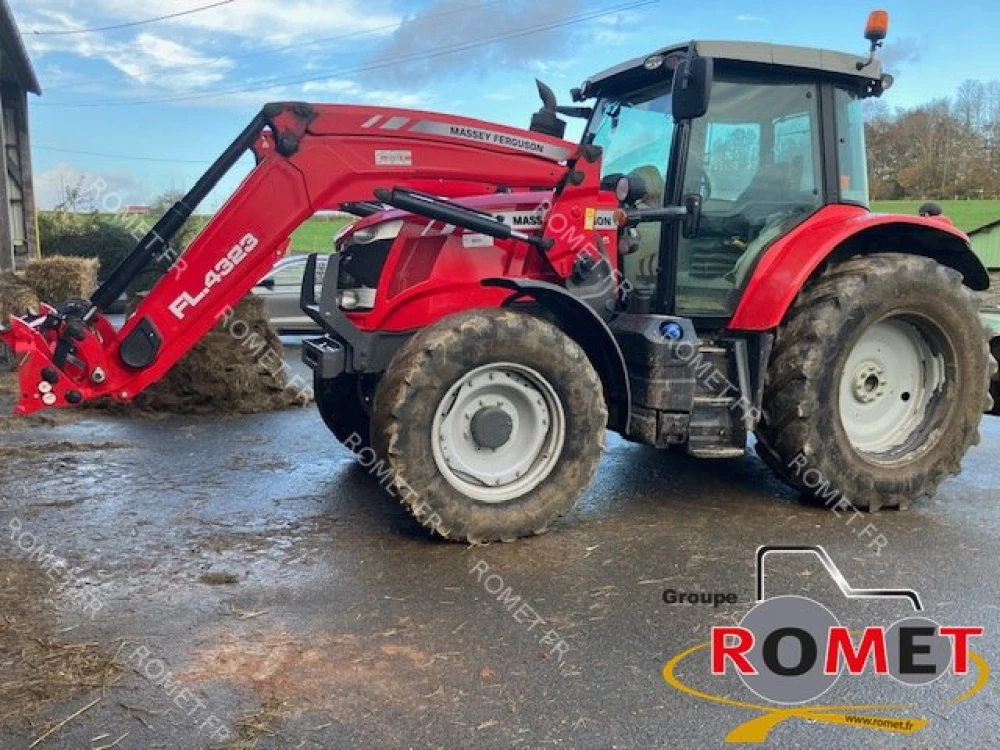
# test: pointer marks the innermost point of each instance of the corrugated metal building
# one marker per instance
(986, 243)
(18, 230)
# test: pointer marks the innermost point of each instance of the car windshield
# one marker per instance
(635, 133)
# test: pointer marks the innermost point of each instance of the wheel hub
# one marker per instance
(870, 382)
(491, 426)
(890, 382)
(498, 432)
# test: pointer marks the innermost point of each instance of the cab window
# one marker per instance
(754, 159)
(635, 134)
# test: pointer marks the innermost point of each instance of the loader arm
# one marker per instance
(309, 158)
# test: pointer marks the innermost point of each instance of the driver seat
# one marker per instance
(774, 183)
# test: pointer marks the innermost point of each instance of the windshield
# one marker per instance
(635, 133)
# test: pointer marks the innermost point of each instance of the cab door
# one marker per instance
(754, 160)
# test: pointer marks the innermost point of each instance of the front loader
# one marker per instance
(701, 266)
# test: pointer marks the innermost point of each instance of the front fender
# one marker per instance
(842, 231)
(579, 321)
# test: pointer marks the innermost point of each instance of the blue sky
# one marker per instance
(176, 92)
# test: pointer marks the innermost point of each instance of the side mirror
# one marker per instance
(692, 87)
(266, 283)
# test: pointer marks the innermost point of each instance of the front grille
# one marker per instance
(361, 264)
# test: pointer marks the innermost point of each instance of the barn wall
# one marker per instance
(18, 235)
(986, 243)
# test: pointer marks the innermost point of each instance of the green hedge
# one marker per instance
(84, 236)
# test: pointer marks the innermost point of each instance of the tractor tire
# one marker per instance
(877, 382)
(342, 407)
(492, 422)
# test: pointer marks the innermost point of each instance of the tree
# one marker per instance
(945, 148)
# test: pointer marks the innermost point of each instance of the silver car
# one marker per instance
(280, 292)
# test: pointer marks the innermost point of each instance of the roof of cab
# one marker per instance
(806, 58)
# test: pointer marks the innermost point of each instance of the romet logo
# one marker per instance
(791, 650)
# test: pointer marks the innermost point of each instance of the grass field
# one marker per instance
(967, 215)
(314, 236)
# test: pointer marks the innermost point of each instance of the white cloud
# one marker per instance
(147, 58)
(332, 85)
(262, 22)
(344, 91)
(499, 35)
(155, 60)
(743, 18)
(902, 51)
(50, 185)
(184, 53)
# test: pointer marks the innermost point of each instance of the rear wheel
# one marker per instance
(493, 424)
(877, 382)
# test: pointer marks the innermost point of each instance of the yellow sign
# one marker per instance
(756, 730)
(589, 217)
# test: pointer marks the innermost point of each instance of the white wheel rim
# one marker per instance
(890, 383)
(498, 432)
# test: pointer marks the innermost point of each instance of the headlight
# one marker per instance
(356, 299)
(349, 299)
(341, 233)
(385, 231)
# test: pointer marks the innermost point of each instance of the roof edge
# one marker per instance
(21, 52)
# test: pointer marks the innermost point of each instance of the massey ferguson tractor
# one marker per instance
(702, 265)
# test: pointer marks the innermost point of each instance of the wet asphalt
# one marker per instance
(257, 586)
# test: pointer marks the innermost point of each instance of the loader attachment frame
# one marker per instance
(309, 158)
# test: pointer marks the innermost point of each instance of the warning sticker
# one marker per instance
(476, 240)
(393, 158)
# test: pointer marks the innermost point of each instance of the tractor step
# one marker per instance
(684, 391)
(717, 452)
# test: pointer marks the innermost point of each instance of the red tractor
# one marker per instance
(702, 265)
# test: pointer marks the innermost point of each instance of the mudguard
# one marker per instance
(842, 231)
(583, 325)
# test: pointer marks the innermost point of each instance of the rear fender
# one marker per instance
(579, 321)
(838, 232)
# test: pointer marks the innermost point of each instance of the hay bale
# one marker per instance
(235, 369)
(58, 279)
(16, 297)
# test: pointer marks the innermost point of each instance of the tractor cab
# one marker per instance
(781, 137)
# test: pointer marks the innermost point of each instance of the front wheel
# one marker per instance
(493, 424)
(877, 382)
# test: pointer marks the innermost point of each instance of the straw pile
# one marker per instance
(16, 297)
(236, 369)
(58, 279)
(43, 673)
